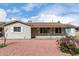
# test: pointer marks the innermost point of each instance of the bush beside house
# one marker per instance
(67, 45)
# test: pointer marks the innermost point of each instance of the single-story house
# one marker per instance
(28, 30)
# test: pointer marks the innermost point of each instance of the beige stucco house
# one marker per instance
(28, 30)
(17, 30)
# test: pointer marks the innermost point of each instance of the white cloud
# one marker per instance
(19, 18)
(50, 18)
(3, 15)
(54, 9)
(14, 10)
(75, 18)
(30, 6)
(46, 15)
(49, 14)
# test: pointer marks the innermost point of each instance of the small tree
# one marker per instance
(4, 43)
(4, 40)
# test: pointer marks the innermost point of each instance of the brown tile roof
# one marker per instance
(44, 24)
(40, 24)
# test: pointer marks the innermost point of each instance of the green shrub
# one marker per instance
(77, 50)
(64, 49)
(2, 45)
(73, 53)
(67, 45)
(71, 46)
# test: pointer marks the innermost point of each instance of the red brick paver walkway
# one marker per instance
(31, 48)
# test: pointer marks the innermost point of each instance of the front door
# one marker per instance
(33, 32)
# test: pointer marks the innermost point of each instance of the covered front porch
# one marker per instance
(45, 32)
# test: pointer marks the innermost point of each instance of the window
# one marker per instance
(17, 29)
(57, 30)
(44, 30)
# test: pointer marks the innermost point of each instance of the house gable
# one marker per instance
(17, 30)
(13, 22)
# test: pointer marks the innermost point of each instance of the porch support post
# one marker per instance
(54, 30)
(62, 29)
(38, 29)
(50, 31)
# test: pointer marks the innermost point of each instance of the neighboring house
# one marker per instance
(22, 30)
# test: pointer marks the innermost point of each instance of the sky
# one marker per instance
(40, 12)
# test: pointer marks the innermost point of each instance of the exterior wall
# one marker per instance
(24, 34)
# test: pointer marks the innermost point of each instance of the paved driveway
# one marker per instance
(31, 48)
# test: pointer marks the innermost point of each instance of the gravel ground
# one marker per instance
(31, 48)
